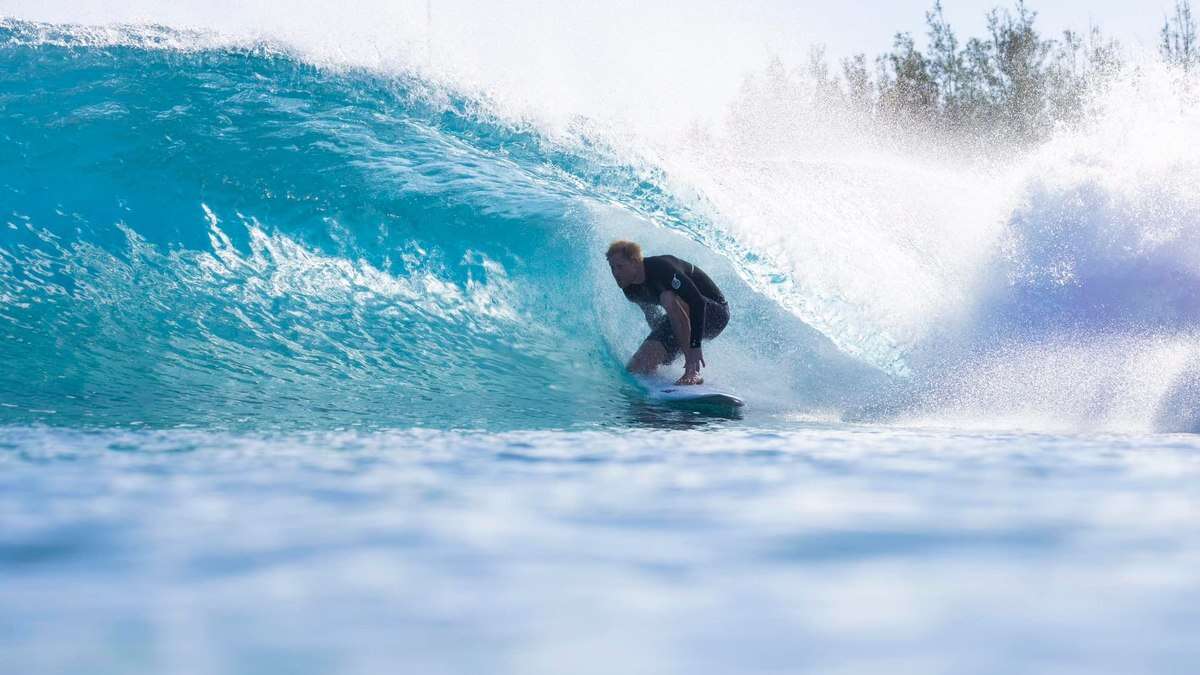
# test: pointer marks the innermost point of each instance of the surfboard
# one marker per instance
(663, 390)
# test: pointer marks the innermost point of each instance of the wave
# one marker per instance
(206, 231)
(227, 235)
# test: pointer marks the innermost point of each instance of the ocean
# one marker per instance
(316, 367)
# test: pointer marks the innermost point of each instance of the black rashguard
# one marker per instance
(668, 273)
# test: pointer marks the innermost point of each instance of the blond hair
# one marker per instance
(626, 248)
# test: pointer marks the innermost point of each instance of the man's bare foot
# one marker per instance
(690, 379)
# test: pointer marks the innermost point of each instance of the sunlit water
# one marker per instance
(314, 367)
(714, 550)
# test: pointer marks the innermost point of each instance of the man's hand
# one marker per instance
(693, 362)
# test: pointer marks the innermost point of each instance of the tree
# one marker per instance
(1178, 44)
(946, 64)
(1009, 85)
(1067, 77)
(978, 94)
(825, 86)
(906, 85)
(860, 91)
(1019, 62)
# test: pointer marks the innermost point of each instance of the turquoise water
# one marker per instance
(318, 369)
(289, 247)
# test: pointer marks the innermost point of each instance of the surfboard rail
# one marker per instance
(662, 390)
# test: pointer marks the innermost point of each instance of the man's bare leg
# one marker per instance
(647, 358)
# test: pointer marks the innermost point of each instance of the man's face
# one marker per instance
(624, 270)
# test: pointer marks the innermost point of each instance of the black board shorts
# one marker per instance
(716, 317)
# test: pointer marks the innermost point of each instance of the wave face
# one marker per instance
(206, 234)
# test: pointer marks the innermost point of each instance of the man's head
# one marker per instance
(625, 261)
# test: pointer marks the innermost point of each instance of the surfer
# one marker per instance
(694, 307)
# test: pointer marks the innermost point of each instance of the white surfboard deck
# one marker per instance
(665, 390)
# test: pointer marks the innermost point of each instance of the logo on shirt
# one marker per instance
(675, 282)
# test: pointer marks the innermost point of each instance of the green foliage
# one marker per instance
(906, 85)
(860, 91)
(1178, 45)
(947, 65)
(1009, 84)
(1020, 77)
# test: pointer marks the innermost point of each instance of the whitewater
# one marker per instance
(313, 362)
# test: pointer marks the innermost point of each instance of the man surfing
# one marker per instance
(695, 308)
